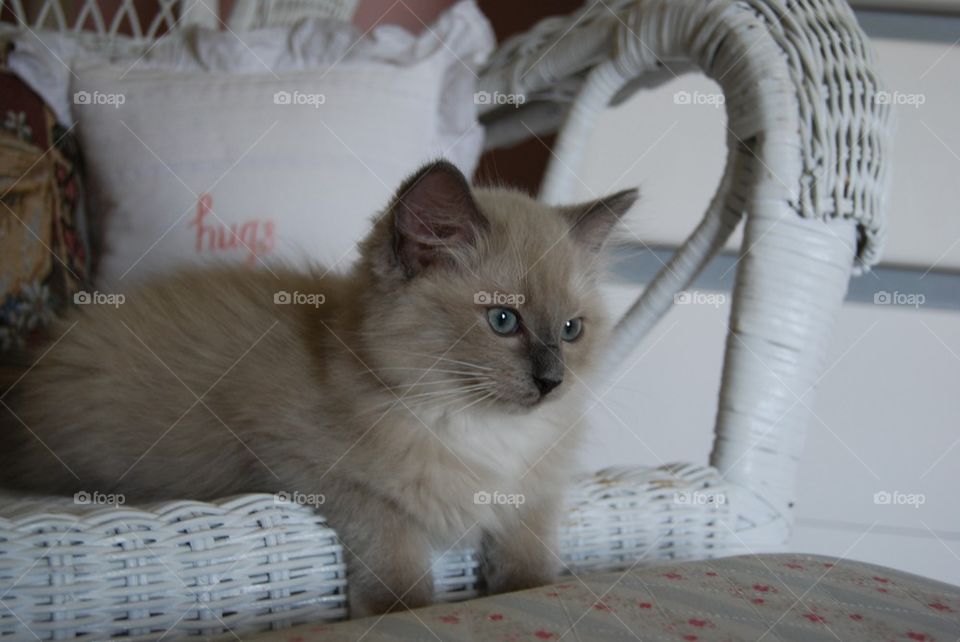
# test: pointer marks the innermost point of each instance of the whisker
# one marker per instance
(486, 396)
(477, 385)
(391, 405)
(420, 394)
(440, 404)
(441, 370)
(451, 390)
(438, 358)
(467, 397)
(433, 383)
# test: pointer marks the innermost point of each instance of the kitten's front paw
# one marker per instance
(369, 595)
(367, 601)
(518, 579)
(518, 560)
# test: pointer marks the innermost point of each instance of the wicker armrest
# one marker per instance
(807, 156)
(74, 566)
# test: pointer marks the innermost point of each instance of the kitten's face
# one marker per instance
(491, 298)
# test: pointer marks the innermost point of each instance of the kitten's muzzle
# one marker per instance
(545, 385)
(547, 368)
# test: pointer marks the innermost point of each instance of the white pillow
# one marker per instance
(279, 146)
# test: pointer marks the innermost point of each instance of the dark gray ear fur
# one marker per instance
(434, 218)
(592, 222)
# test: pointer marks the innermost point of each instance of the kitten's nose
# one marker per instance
(545, 385)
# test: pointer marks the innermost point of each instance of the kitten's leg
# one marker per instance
(523, 553)
(388, 560)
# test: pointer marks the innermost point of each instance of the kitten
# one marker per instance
(431, 395)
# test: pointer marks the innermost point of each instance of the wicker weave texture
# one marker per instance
(805, 61)
(134, 26)
(251, 563)
(176, 569)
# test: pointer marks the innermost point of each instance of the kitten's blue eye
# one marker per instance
(502, 320)
(572, 329)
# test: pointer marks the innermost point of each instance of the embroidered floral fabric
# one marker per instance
(770, 597)
(43, 240)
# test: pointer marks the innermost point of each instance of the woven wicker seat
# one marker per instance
(806, 173)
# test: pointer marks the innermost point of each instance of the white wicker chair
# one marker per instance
(807, 154)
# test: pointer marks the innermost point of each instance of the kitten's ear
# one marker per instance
(591, 223)
(435, 217)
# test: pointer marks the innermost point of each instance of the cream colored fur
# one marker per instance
(394, 399)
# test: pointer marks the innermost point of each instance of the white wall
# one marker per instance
(888, 411)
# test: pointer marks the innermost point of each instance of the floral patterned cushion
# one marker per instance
(768, 597)
(43, 236)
